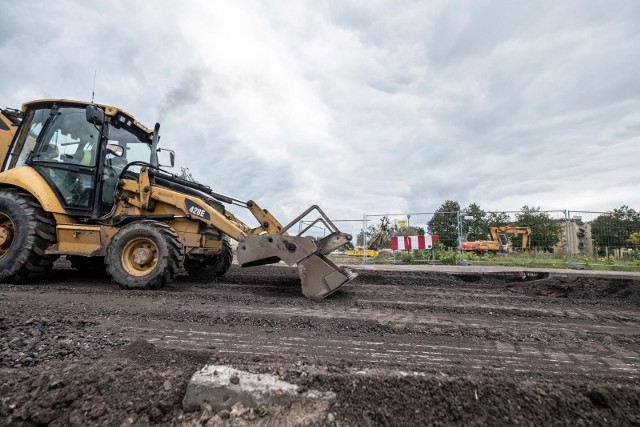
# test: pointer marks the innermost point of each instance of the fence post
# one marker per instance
(567, 217)
(459, 232)
(364, 238)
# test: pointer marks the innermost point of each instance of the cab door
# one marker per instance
(64, 148)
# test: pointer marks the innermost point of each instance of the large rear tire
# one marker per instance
(145, 255)
(213, 266)
(26, 231)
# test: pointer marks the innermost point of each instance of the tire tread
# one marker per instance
(31, 261)
(173, 258)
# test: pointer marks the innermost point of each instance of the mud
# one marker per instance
(398, 348)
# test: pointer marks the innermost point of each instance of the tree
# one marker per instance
(497, 219)
(476, 222)
(444, 223)
(614, 229)
(634, 238)
(546, 231)
(374, 229)
(475, 227)
(371, 231)
(185, 173)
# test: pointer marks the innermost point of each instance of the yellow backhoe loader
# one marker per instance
(499, 241)
(372, 247)
(83, 180)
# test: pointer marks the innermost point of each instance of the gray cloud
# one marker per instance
(188, 91)
(358, 107)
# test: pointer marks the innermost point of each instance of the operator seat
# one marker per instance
(113, 166)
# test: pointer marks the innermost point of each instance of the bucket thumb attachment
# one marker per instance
(319, 276)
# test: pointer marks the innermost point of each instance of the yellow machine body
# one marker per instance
(371, 251)
(139, 217)
(499, 241)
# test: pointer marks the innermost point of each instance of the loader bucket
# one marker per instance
(319, 276)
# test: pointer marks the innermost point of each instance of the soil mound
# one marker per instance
(623, 291)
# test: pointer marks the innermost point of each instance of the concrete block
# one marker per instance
(223, 386)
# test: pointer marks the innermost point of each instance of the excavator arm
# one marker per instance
(507, 229)
(376, 240)
(498, 234)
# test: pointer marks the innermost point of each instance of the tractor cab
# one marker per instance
(80, 149)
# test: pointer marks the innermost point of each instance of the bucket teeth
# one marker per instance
(351, 274)
(320, 277)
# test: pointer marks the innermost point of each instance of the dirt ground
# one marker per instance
(397, 348)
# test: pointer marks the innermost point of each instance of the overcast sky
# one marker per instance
(358, 106)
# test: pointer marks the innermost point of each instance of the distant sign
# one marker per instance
(407, 243)
(402, 223)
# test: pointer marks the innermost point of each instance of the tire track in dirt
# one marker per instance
(394, 352)
(396, 347)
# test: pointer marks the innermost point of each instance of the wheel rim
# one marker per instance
(6, 234)
(140, 256)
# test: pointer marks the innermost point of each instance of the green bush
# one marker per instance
(448, 256)
(471, 256)
(406, 257)
(416, 255)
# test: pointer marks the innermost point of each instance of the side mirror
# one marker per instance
(115, 149)
(170, 157)
(95, 115)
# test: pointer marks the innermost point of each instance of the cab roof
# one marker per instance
(108, 109)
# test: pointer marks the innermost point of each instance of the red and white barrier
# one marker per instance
(408, 243)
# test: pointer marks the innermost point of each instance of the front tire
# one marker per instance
(26, 231)
(145, 255)
(209, 267)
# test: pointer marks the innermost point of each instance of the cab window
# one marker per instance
(34, 123)
(69, 138)
(137, 147)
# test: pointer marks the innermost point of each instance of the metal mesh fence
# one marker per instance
(350, 226)
(531, 237)
(534, 230)
(404, 224)
(604, 238)
(318, 230)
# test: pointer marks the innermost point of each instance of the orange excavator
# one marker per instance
(499, 241)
